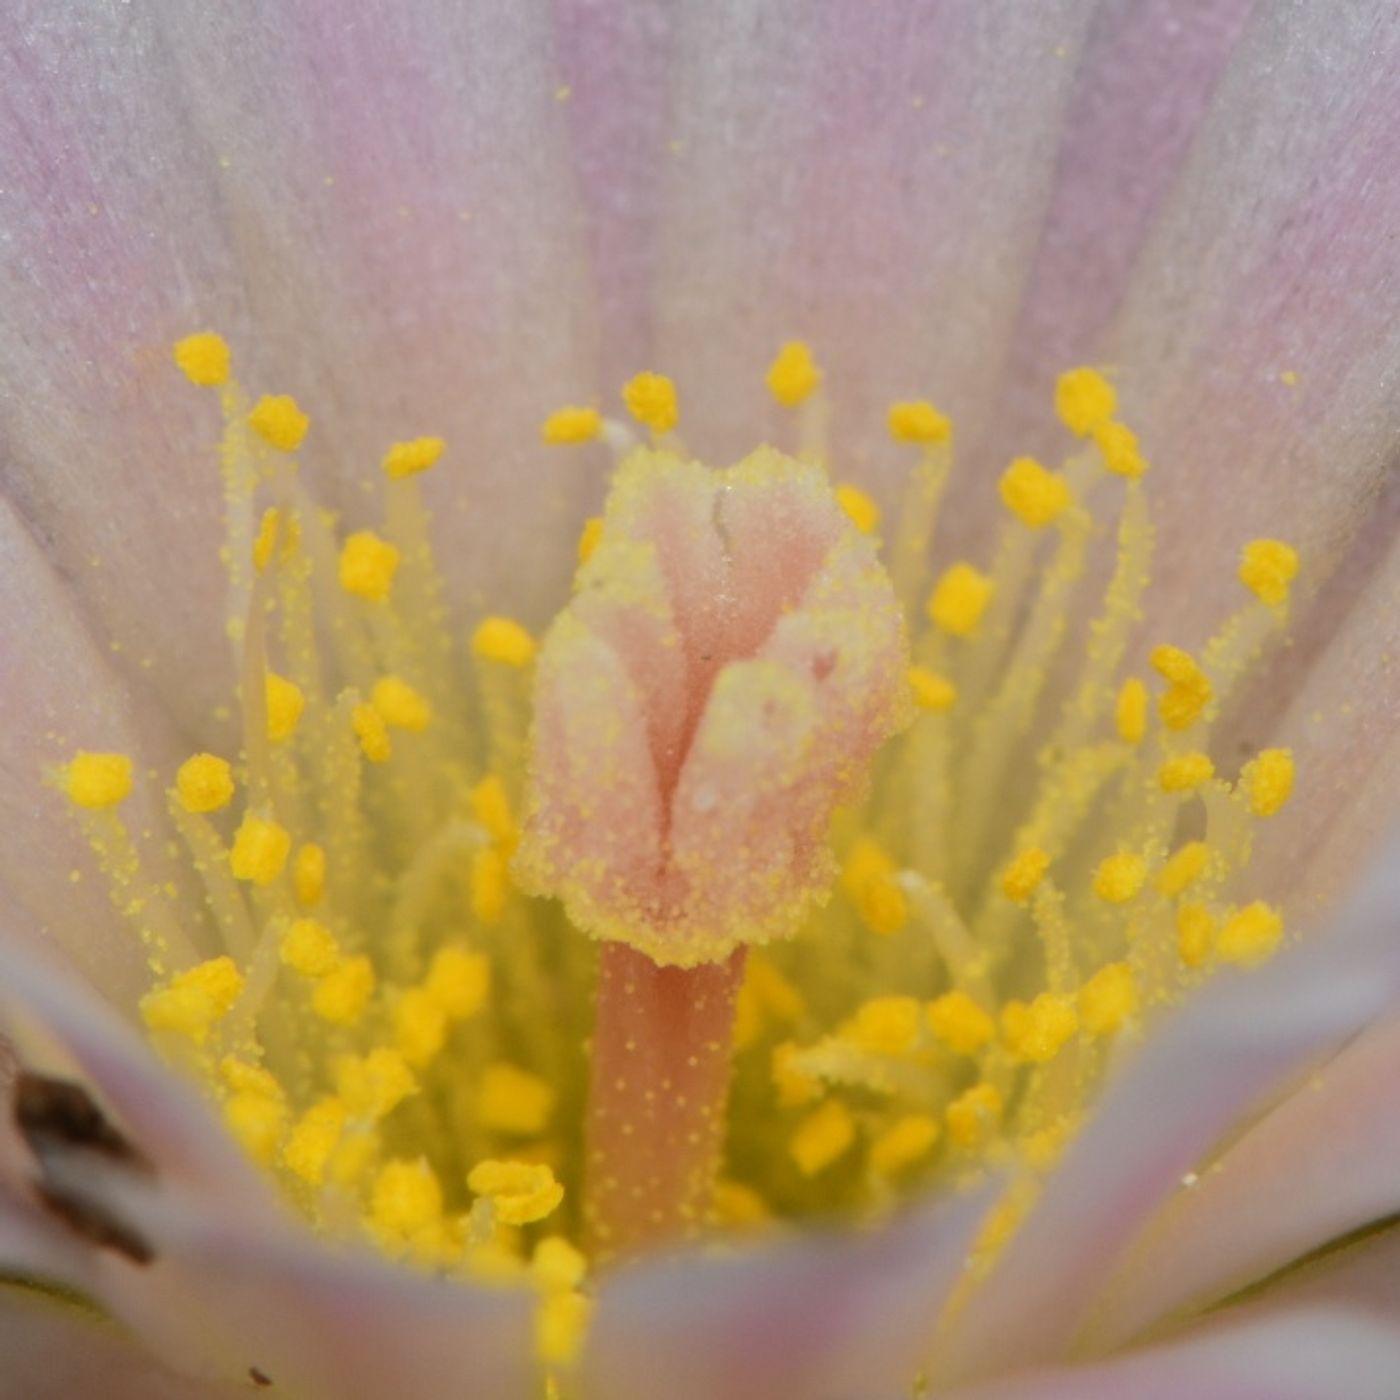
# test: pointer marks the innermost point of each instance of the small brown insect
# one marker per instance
(59, 1119)
(259, 1378)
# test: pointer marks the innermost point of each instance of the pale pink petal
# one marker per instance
(838, 1317)
(1213, 1063)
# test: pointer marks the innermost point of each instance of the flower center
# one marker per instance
(401, 1036)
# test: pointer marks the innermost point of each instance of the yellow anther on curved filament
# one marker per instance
(793, 376)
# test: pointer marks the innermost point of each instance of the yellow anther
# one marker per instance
(490, 804)
(1042, 1149)
(822, 1137)
(1023, 875)
(1120, 877)
(903, 1143)
(399, 705)
(571, 424)
(193, 1001)
(590, 537)
(490, 885)
(459, 981)
(1084, 400)
(862, 512)
(309, 947)
(918, 422)
(368, 565)
(795, 1087)
(793, 376)
(1185, 773)
(1267, 780)
(561, 1323)
(1188, 687)
(959, 599)
(420, 1026)
(973, 1116)
(1249, 935)
(1195, 932)
(372, 733)
(739, 1206)
(885, 1026)
(279, 422)
(959, 1023)
(406, 1199)
(309, 875)
(1036, 1032)
(266, 542)
(374, 1085)
(285, 703)
(243, 1077)
(556, 1266)
(204, 783)
(97, 780)
(1130, 711)
(204, 358)
(1108, 999)
(1036, 496)
(342, 994)
(411, 457)
(1267, 567)
(260, 850)
(1119, 446)
(651, 400)
(521, 1192)
(932, 692)
(503, 640)
(314, 1139)
(1185, 867)
(869, 878)
(512, 1100)
(257, 1122)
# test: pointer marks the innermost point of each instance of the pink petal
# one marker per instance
(843, 1316)
(1212, 1063)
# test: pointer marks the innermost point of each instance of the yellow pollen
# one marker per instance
(459, 981)
(1108, 999)
(521, 1192)
(245, 1078)
(795, 1088)
(399, 705)
(257, 1121)
(1084, 400)
(1267, 568)
(512, 1100)
(1250, 935)
(1036, 1032)
(266, 542)
(1023, 875)
(367, 566)
(590, 537)
(315, 1137)
(903, 1143)
(1185, 867)
(411, 457)
(959, 599)
(973, 1116)
(343, 993)
(204, 359)
(374, 1086)
(651, 400)
(260, 850)
(560, 1326)
(372, 733)
(1119, 446)
(1036, 496)
(1130, 711)
(279, 422)
(490, 885)
(285, 702)
(406, 1198)
(309, 947)
(822, 1137)
(1188, 690)
(97, 781)
(1195, 932)
(739, 1206)
(503, 640)
(932, 692)
(919, 422)
(556, 1266)
(1185, 773)
(193, 1001)
(793, 376)
(570, 425)
(870, 878)
(309, 875)
(1120, 877)
(863, 513)
(1268, 781)
(959, 1023)
(420, 1026)
(490, 805)
(885, 1026)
